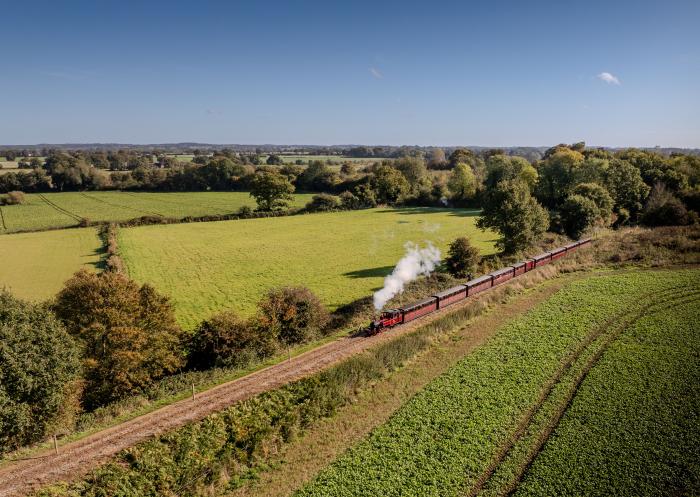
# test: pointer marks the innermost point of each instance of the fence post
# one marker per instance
(192, 391)
(55, 444)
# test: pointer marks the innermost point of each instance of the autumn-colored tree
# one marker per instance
(462, 258)
(128, 333)
(292, 314)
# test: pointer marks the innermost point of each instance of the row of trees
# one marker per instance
(106, 337)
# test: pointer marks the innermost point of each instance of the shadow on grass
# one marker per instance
(370, 272)
(432, 210)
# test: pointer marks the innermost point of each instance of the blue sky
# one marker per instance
(491, 73)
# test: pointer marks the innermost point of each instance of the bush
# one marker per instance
(578, 215)
(38, 363)
(245, 211)
(462, 258)
(128, 332)
(226, 340)
(13, 198)
(323, 202)
(669, 212)
(293, 314)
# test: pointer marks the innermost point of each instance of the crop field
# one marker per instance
(54, 210)
(632, 428)
(34, 265)
(208, 267)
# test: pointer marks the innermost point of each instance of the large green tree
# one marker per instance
(462, 184)
(514, 214)
(626, 186)
(271, 191)
(38, 362)
(389, 184)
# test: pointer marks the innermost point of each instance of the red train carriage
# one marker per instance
(571, 247)
(529, 265)
(542, 259)
(419, 309)
(584, 241)
(502, 275)
(558, 253)
(519, 268)
(450, 296)
(479, 284)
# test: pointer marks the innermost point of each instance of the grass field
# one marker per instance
(207, 267)
(462, 434)
(34, 265)
(53, 210)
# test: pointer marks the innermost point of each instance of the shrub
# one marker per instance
(245, 211)
(578, 215)
(664, 209)
(462, 258)
(128, 333)
(226, 340)
(38, 363)
(13, 198)
(293, 314)
(323, 202)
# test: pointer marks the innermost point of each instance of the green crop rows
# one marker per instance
(450, 438)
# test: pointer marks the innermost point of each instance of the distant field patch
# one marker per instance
(207, 267)
(55, 210)
(34, 265)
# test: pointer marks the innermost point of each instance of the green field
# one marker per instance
(632, 428)
(34, 265)
(53, 210)
(207, 267)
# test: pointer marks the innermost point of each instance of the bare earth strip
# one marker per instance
(77, 458)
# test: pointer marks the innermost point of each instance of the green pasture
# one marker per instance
(55, 210)
(208, 267)
(34, 265)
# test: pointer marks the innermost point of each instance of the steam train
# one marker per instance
(394, 317)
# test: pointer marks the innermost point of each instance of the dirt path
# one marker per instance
(77, 458)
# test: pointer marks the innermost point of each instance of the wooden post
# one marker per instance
(289, 352)
(192, 391)
(55, 444)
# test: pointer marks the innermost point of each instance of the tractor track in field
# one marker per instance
(609, 331)
(75, 459)
(120, 206)
(60, 209)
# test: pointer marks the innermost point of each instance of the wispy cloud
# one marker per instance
(376, 73)
(608, 78)
(214, 112)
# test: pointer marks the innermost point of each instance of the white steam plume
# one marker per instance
(417, 261)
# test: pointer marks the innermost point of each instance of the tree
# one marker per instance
(389, 184)
(226, 340)
(39, 361)
(462, 258)
(271, 191)
(274, 160)
(557, 176)
(578, 215)
(461, 156)
(413, 169)
(626, 186)
(437, 159)
(323, 202)
(510, 210)
(600, 196)
(503, 167)
(664, 209)
(292, 314)
(462, 183)
(128, 333)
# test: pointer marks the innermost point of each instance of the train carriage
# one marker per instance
(519, 268)
(418, 309)
(542, 259)
(450, 296)
(529, 265)
(502, 275)
(558, 253)
(479, 284)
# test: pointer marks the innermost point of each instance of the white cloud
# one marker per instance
(608, 78)
(376, 73)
